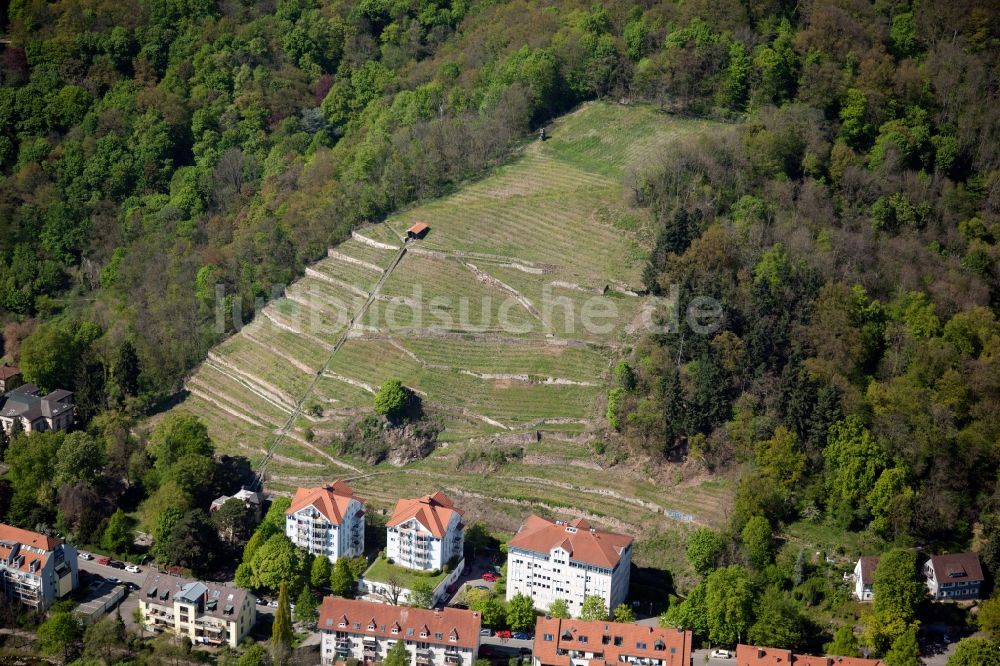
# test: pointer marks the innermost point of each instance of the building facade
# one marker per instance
(425, 533)
(327, 521)
(252, 500)
(957, 576)
(366, 631)
(583, 643)
(36, 569)
(36, 412)
(751, 655)
(206, 613)
(549, 560)
(10, 377)
(864, 576)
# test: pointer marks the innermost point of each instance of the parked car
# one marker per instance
(113, 580)
(521, 635)
(261, 602)
(131, 568)
(503, 633)
(116, 564)
(85, 556)
(272, 603)
(722, 654)
(133, 586)
(490, 577)
(104, 560)
(486, 632)
(482, 587)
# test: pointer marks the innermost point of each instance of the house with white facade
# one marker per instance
(549, 560)
(425, 533)
(207, 613)
(366, 631)
(327, 521)
(956, 576)
(35, 569)
(864, 576)
(34, 411)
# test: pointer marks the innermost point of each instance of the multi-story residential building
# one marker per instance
(864, 576)
(36, 569)
(425, 533)
(751, 655)
(208, 613)
(956, 576)
(36, 412)
(549, 560)
(328, 521)
(366, 631)
(583, 643)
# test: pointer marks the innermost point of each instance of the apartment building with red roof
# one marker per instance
(549, 560)
(752, 655)
(584, 643)
(36, 569)
(327, 521)
(366, 631)
(425, 533)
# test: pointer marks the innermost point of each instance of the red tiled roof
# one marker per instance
(12, 534)
(434, 512)
(463, 624)
(332, 501)
(868, 564)
(584, 543)
(417, 228)
(750, 655)
(957, 567)
(601, 638)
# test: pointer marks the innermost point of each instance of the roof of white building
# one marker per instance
(333, 501)
(434, 512)
(582, 542)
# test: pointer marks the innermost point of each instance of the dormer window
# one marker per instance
(371, 627)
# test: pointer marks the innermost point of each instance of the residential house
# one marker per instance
(956, 576)
(864, 576)
(209, 613)
(364, 630)
(252, 500)
(751, 655)
(327, 521)
(425, 533)
(583, 643)
(37, 413)
(36, 569)
(10, 377)
(549, 560)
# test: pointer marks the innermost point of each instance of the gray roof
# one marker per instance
(25, 401)
(163, 589)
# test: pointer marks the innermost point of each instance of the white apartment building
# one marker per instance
(327, 521)
(571, 561)
(208, 613)
(36, 569)
(864, 577)
(425, 533)
(364, 630)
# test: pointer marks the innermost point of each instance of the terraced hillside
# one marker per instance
(505, 319)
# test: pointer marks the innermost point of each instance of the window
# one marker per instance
(582, 639)
(640, 645)
(618, 641)
(547, 637)
(437, 635)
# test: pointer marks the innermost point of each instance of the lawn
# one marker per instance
(382, 572)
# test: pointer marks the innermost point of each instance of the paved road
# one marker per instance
(103, 570)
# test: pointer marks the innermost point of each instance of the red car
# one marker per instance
(490, 577)
(103, 560)
(503, 633)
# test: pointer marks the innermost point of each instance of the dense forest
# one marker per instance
(157, 153)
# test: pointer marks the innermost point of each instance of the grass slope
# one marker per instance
(484, 319)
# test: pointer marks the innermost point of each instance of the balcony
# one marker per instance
(425, 657)
(452, 658)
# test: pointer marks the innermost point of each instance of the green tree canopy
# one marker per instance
(593, 608)
(560, 609)
(758, 541)
(392, 399)
(729, 604)
(118, 535)
(704, 546)
(60, 634)
(521, 613)
(623, 613)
